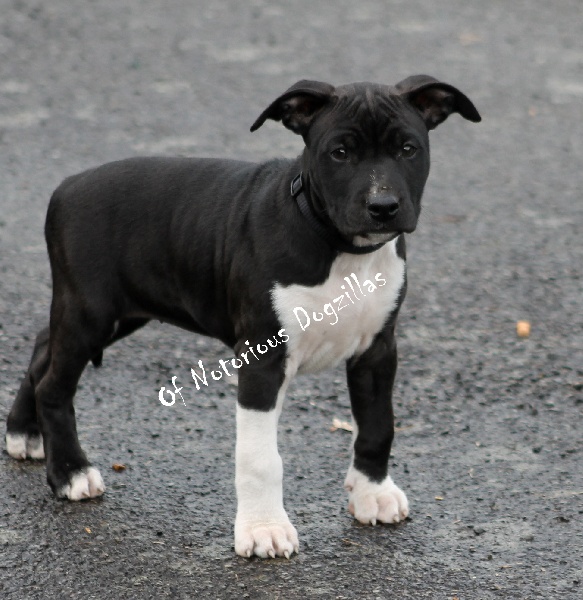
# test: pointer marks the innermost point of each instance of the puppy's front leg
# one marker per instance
(262, 526)
(373, 496)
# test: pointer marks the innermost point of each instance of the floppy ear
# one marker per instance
(298, 106)
(436, 100)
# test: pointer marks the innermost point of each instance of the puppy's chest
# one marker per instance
(331, 322)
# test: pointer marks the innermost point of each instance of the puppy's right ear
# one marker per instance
(298, 106)
(436, 100)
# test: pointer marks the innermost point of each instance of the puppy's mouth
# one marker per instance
(369, 239)
(369, 233)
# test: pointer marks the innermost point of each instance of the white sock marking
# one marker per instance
(262, 526)
(35, 448)
(16, 445)
(22, 446)
(370, 502)
(86, 483)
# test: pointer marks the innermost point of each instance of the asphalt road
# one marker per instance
(489, 447)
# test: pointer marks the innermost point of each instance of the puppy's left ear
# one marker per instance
(298, 106)
(436, 100)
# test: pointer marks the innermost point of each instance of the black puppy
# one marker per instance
(298, 265)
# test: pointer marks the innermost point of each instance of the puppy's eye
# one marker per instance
(408, 150)
(339, 154)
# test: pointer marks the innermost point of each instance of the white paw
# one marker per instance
(266, 538)
(22, 446)
(86, 483)
(371, 502)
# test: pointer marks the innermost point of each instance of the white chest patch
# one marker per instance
(331, 322)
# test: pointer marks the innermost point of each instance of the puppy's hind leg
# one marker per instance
(23, 436)
(78, 332)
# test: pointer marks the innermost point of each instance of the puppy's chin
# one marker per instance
(371, 239)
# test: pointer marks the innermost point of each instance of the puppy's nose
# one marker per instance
(383, 207)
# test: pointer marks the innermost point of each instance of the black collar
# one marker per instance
(327, 232)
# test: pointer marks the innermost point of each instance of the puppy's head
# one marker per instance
(367, 148)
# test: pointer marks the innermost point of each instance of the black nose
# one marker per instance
(383, 207)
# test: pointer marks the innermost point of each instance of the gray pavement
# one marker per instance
(489, 447)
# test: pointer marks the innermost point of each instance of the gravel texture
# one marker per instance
(489, 448)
